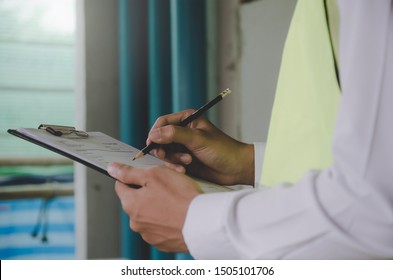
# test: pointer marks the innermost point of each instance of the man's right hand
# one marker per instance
(202, 150)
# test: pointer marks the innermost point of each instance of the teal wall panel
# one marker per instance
(160, 83)
(163, 69)
(188, 23)
(133, 93)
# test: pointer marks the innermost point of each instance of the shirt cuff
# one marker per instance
(202, 234)
(206, 235)
(259, 154)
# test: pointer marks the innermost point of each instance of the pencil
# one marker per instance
(187, 120)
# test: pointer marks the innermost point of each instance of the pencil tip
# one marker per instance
(133, 159)
(138, 155)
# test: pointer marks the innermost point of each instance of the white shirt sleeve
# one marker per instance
(344, 211)
(259, 155)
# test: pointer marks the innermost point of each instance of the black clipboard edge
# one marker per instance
(60, 152)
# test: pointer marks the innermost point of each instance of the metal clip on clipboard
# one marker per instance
(59, 130)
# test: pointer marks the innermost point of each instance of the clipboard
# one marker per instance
(95, 150)
(19, 134)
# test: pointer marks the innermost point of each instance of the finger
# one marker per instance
(184, 158)
(176, 134)
(174, 118)
(125, 195)
(129, 198)
(160, 153)
(121, 189)
(177, 167)
(179, 158)
(127, 174)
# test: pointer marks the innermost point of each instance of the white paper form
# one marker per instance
(100, 149)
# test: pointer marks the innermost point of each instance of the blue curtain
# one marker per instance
(163, 69)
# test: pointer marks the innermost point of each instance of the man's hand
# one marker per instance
(158, 209)
(202, 150)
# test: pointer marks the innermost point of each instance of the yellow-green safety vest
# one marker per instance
(307, 97)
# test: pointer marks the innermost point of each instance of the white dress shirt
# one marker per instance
(342, 212)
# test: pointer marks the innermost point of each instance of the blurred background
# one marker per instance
(37, 85)
(115, 66)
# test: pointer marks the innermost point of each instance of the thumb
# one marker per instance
(124, 192)
(176, 134)
(127, 174)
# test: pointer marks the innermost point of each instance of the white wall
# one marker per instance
(97, 206)
(263, 25)
(251, 49)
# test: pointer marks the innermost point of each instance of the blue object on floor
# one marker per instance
(29, 232)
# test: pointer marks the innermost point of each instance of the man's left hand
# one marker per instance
(158, 209)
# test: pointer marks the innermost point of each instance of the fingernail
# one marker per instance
(155, 134)
(185, 158)
(179, 169)
(112, 169)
